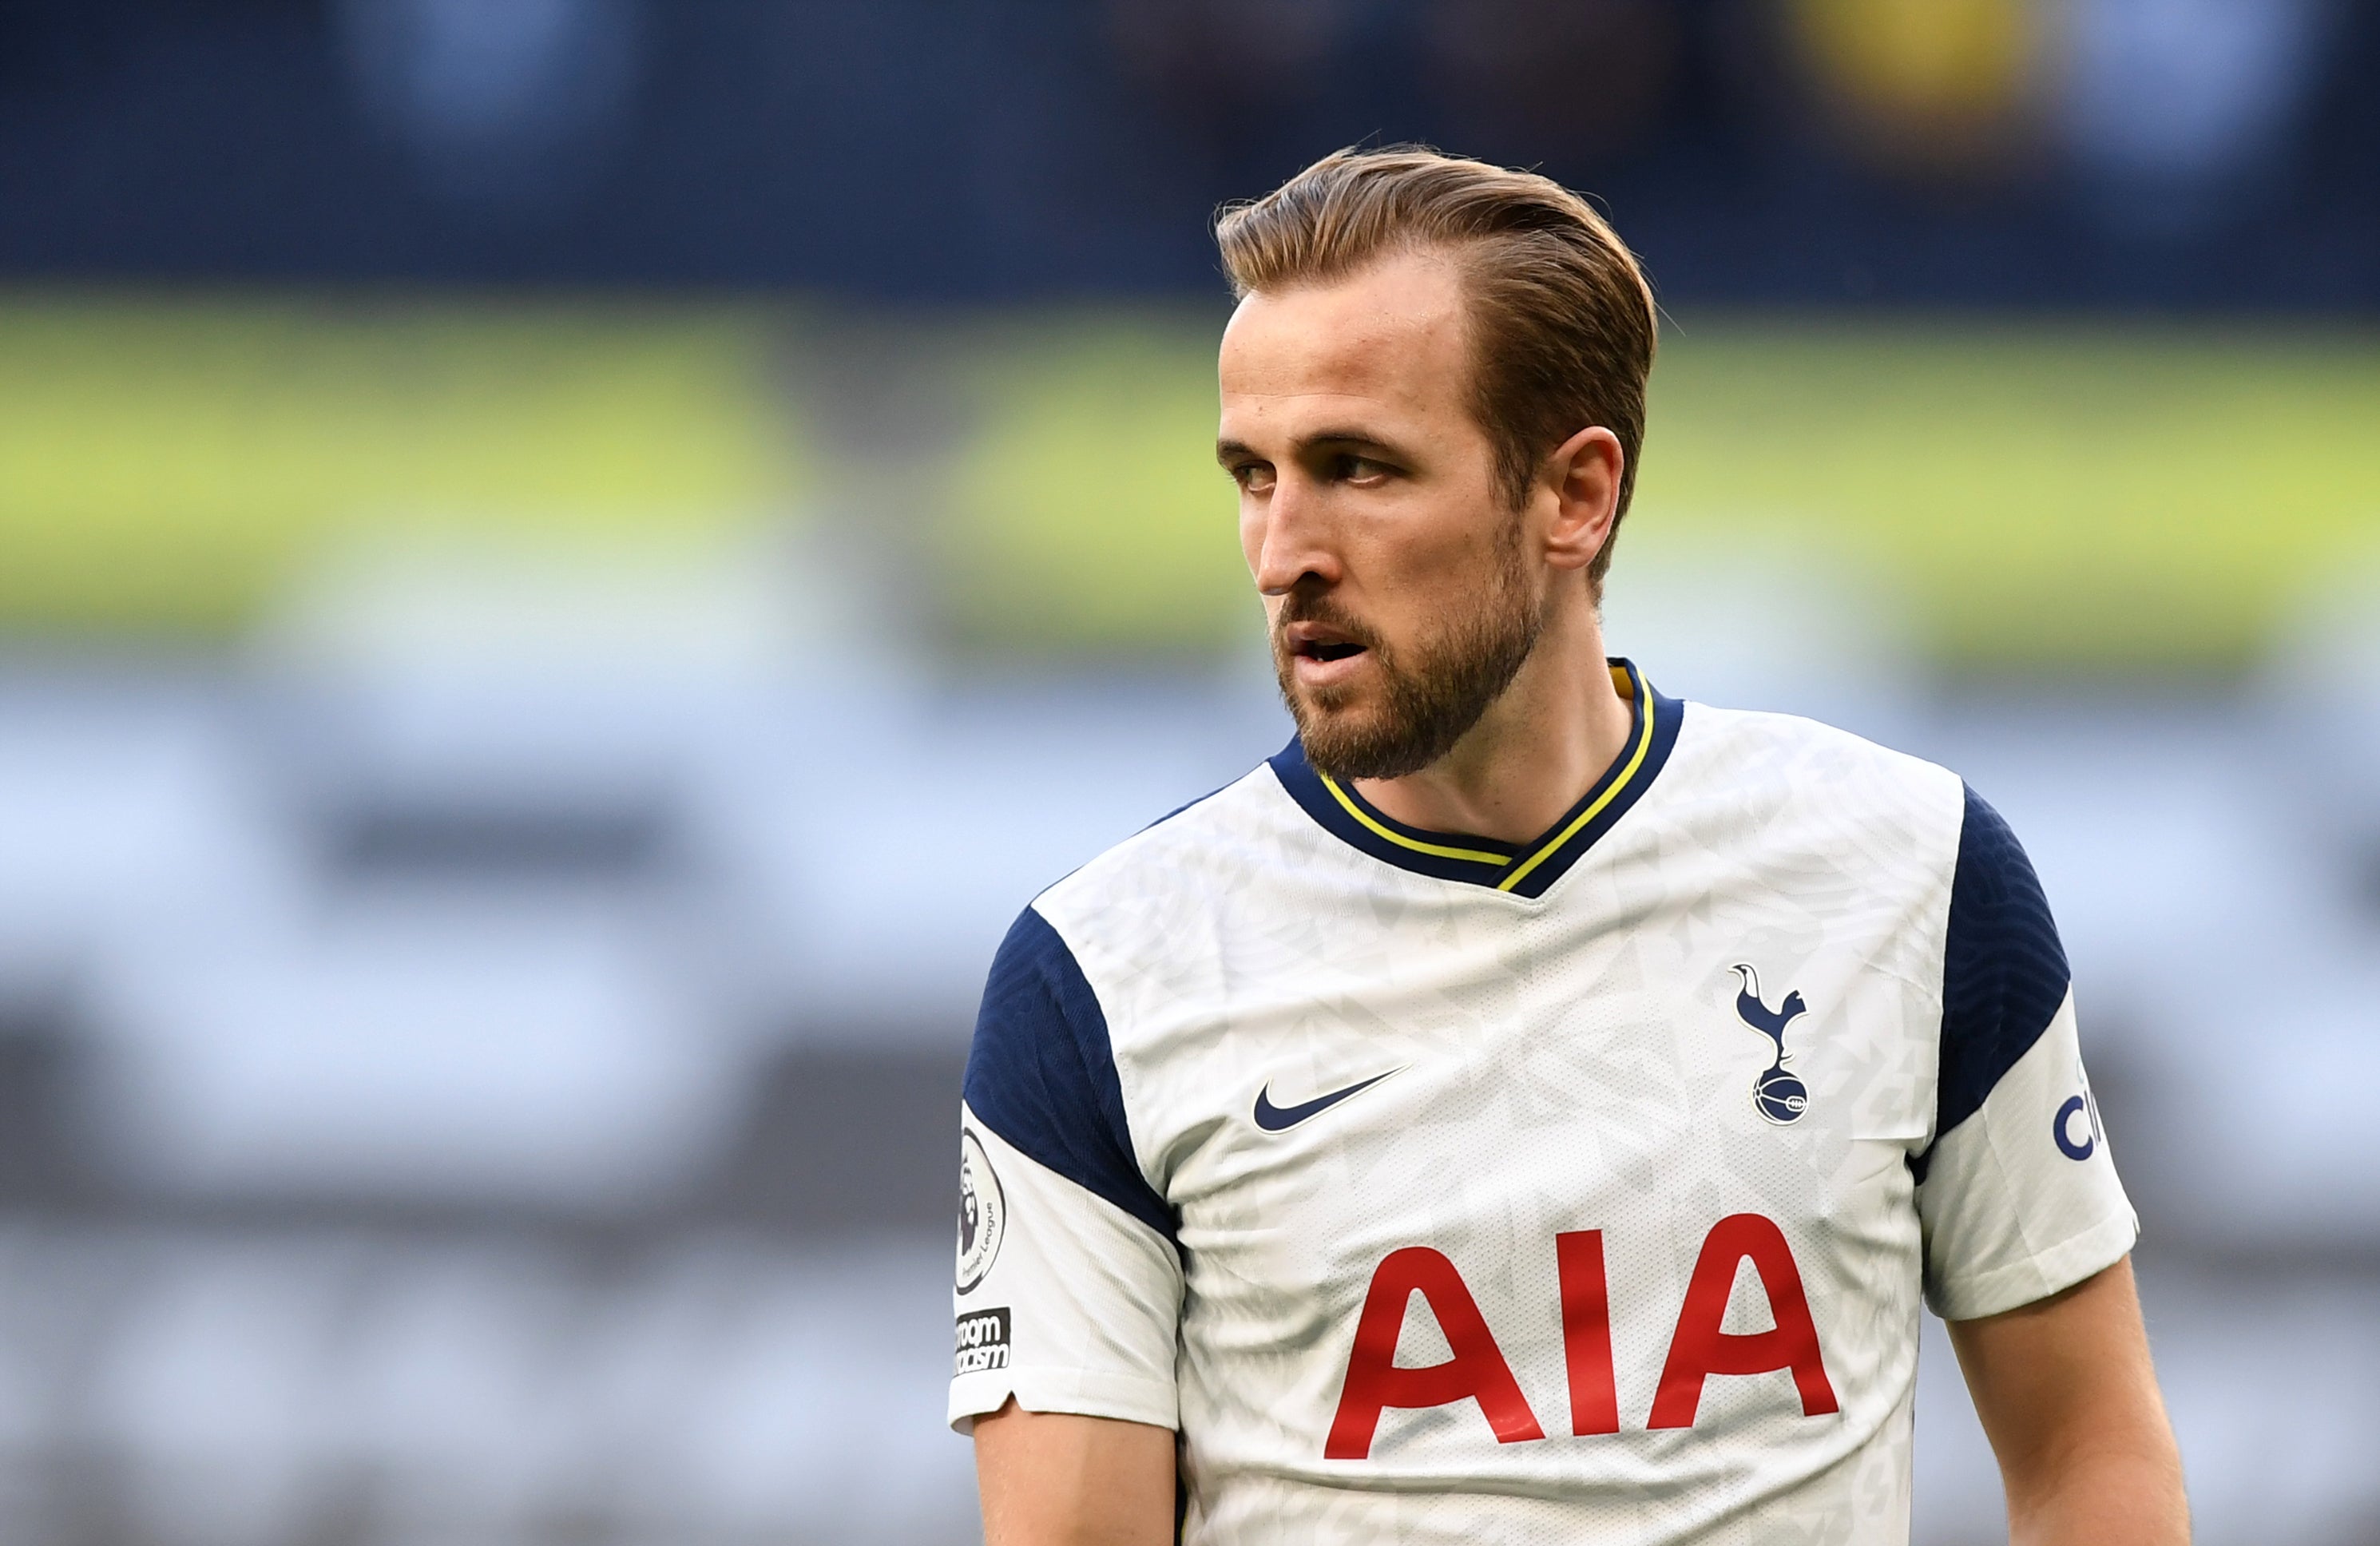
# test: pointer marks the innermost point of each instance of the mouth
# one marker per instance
(1319, 652)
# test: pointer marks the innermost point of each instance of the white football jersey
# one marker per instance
(1436, 1189)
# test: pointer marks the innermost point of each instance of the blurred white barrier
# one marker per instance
(2321, 710)
(376, 1391)
(127, 798)
(442, 1046)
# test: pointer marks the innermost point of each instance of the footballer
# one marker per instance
(1528, 1108)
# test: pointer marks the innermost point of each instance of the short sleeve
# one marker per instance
(1068, 1291)
(2018, 1194)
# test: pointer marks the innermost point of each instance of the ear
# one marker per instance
(1583, 476)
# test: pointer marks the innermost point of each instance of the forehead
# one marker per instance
(1393, 335)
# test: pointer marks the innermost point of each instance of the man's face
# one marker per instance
(1393, 564)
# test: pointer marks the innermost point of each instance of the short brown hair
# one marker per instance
(1563, 318)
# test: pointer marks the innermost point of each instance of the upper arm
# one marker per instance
(1055, 1479)
(2045, 1373)
(1069, 1287)
(2068, 1398)
(2017, 1194)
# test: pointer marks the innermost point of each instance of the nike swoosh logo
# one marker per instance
(1280, 1118)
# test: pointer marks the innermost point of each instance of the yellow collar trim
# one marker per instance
(1636, 761)
(1629, 689)
(1436, 850)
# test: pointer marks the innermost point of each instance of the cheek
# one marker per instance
(1431, 546)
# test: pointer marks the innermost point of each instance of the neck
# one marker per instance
(1540, 745)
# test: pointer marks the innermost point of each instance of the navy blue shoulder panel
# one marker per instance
(1042, 1075)
(2004, 972)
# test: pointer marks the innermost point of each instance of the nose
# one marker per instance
(1288, 539)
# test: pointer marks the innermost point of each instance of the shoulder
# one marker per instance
(1802, 768)
(1069, 962)
(1837, 780)
(1751, 739)
(1200, 851)
(1043, 1071)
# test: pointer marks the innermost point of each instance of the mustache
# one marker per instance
(1302, 606)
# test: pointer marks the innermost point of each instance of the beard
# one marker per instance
(1429, 696)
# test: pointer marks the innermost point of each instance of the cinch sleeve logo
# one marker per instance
(982, 1341)
(2076, 1127)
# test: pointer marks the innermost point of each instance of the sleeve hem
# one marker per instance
(2049, 1272)
(1084, 1392)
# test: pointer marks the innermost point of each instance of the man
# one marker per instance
(1528, 1108)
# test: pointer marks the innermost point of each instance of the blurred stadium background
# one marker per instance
(566, 565)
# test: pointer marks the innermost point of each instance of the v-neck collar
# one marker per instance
(1523, 869)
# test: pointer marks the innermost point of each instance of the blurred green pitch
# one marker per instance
(2038, 493)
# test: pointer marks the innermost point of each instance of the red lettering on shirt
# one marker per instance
(1587, 1333)
(1700, 1349)
(1477, 1371)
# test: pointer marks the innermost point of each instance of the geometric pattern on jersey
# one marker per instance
(1526, 869)
(1431, 1211)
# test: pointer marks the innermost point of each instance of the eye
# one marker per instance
(1255, 477)
(1348, 468)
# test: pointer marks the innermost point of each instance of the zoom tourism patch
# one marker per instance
(982, 1341)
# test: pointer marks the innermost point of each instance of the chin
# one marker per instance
(1337, 711)
(1340, 738)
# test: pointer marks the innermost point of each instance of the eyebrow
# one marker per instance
(1229, 451)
